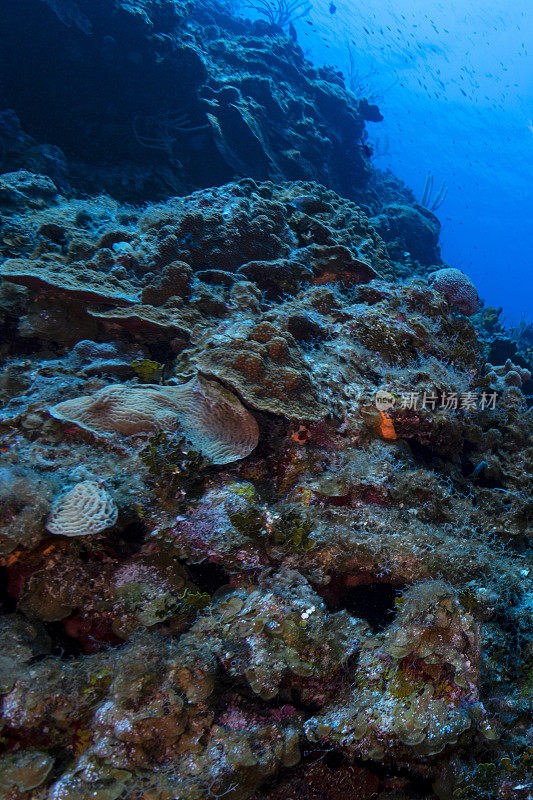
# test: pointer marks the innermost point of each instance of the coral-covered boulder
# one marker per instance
(457, 288)
(426, 666)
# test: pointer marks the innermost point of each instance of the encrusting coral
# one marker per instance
(288, 632)
(78, 281)
(415, 684)
(263, 364)
(24, 771)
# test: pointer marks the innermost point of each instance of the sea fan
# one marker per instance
(281, 12)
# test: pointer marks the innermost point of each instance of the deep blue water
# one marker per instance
(454, 81)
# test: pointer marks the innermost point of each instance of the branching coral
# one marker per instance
(430, 200)
(160, 131)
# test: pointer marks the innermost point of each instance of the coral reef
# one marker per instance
(204, 96)
(268, 503)
(265, 495)
(415, 684)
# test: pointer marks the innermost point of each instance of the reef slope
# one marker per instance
(264, 509)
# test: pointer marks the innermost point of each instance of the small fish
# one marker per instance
(332, 8)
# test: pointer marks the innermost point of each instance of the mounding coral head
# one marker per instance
(457, 288)
(509, 374)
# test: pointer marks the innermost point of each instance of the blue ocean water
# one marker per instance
(454, 82)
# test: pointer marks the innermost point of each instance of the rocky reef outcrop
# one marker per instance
(146, 99)
(265, 461)
(265, 508)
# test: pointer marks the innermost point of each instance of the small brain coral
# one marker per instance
(457, 288)
(87, 508)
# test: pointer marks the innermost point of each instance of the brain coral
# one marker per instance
(87, 508)
(457, 288)
(211, 417)
(214, 421)
(121, 408)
